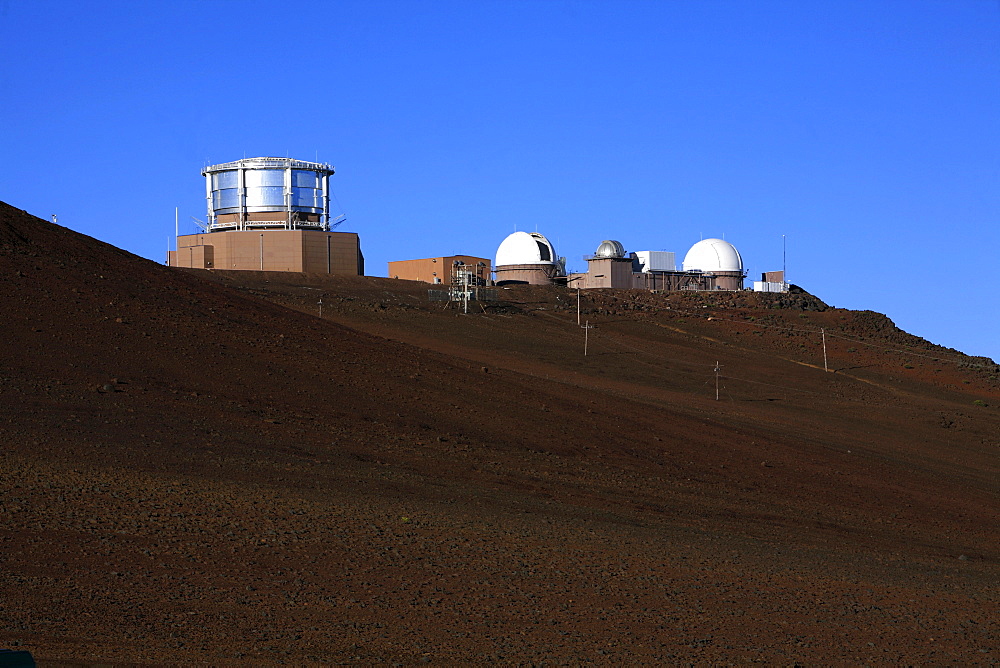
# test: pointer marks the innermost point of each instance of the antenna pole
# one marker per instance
(784, 261)
(586, 336)
(823, 332)
(578, 305)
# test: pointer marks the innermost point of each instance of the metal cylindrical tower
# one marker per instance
(268, 193)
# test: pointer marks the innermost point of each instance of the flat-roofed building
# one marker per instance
(440, 269)
(271, 250)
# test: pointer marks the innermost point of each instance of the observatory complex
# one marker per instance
(711, 264)
(528, 258)
(273, 214)
(269, 214)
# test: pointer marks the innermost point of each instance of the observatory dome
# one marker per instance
(610, 248)
(525, 248)
(268, 193)
(713, 255)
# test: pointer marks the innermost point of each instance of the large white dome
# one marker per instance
(525, 248)
(711, 255)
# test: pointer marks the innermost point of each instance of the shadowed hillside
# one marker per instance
(198, 468)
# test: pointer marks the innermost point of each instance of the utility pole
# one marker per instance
(823, 332)
(466, 289)
(577, 298)
(717, 370)
(586, 336)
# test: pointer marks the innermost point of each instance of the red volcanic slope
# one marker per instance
(197, 468)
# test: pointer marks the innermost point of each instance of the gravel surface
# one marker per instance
(198, 469)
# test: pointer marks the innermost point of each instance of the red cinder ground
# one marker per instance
(197, 468)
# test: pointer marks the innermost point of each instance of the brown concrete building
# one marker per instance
(439, 269)
(605, 272)
(271, 250)
(773, 277)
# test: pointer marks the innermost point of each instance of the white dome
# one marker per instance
(710, 255)
(525, 248)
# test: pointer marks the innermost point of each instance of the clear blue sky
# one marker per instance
(867, 132)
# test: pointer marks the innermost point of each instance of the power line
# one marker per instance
(674, 361)
(948, 357)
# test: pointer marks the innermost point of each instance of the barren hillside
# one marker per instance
(198, 468)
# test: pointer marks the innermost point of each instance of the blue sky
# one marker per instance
(867, 133)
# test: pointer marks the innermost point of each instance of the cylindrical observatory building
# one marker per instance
(269, 214)
(527, 258)
(718, 258)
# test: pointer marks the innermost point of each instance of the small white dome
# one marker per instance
(710, 255)
(610, 248)
(525, 248)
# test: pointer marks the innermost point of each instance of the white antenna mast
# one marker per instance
(784, 261)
